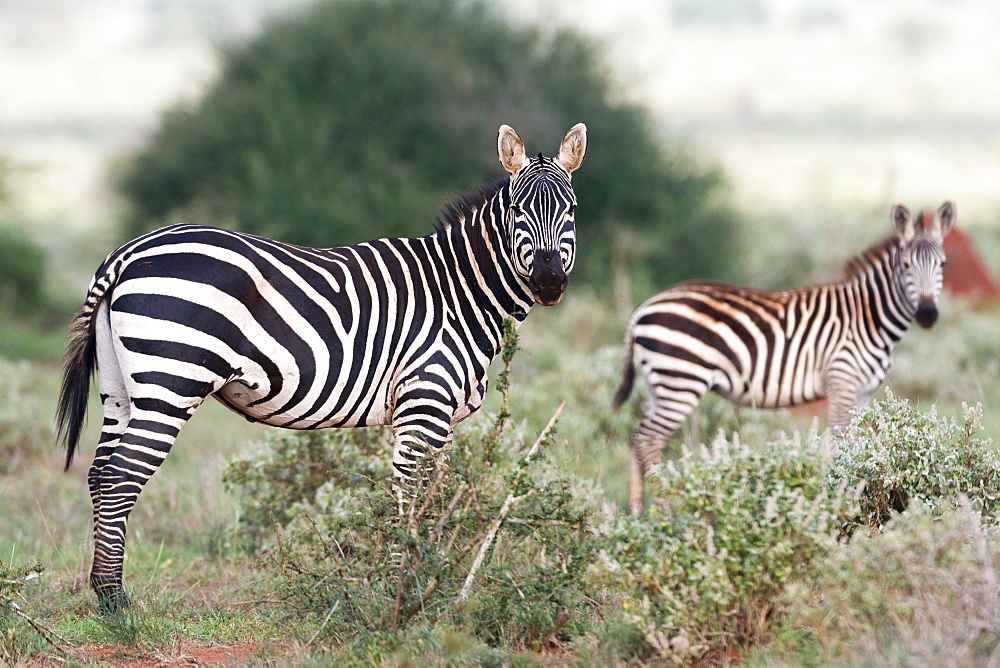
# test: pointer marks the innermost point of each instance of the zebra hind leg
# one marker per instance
(119, 473)
(646, 448)
(667, 408)
(116, 406)
(116, 416)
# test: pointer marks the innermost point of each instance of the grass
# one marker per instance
(196, 591)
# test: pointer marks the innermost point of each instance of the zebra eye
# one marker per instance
(572, 209)
(515, 209)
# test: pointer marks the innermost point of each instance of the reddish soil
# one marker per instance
(187, 656)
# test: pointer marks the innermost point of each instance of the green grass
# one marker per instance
(194, 588)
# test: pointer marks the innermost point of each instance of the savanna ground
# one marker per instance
(203, 593)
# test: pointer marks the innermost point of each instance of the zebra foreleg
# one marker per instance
(414, 459)
(842, 398)
(422, 429)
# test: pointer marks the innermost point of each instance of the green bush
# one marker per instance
(290, 476)
(495, 542)
(25, 432)
(22, 269)
(902, 455)
(923, 591)
(354, 119)
(17, 633)
(727, 534)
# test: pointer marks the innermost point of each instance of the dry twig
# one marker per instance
(510, 502)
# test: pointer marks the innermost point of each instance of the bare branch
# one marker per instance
(508, 503)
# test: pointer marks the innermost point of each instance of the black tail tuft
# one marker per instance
(78, 366)
(628, 378)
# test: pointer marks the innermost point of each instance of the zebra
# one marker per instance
(775, 349)
(395, 331)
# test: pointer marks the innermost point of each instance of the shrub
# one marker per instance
(291, 476)
(350, 120)
(22, 269)
(903, 455)
(727, 534)
(17, 629)
(495, 542)
(924, 591)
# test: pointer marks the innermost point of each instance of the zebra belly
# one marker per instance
(344, 407)
(786, 390)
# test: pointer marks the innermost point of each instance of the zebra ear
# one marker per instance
(573, 148)
(946, 216)
(511, 150)
(900, 217)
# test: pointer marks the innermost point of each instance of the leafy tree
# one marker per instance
(22, 261)
(355, 119)
(22, 268)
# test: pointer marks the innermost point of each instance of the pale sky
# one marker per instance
(840, 104)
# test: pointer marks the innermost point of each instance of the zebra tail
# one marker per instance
(628, 375)
(79, 365)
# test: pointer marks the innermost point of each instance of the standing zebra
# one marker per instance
(774, 349)
(392, 331)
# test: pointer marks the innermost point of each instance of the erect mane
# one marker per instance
(458, 211)
(860, 263)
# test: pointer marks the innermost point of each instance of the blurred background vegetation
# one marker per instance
(332, 122)
(353, 120)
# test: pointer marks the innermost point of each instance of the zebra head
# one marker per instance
(921, 257)
(539, 217)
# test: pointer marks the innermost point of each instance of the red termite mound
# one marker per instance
(965, 275)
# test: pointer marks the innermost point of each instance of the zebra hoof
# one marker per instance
(111, 600)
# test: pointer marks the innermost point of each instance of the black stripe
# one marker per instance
(206, 320)
(179, 385)
(181, 352)
(162, 407)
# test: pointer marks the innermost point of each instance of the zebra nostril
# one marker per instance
(927, 312)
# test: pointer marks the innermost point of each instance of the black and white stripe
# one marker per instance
(772, 349)
(392, 331)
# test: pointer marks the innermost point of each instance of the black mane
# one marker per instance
(457, 212)
(859, 264)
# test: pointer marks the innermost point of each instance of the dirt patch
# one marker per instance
(121, 657)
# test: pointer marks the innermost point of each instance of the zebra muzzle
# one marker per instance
(548, 278)
(927, 312)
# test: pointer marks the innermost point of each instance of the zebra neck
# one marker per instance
(876, 284)
(482, 267)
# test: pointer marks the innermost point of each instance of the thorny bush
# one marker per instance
(901, 454)
(922, 591)
(495, 540)
(16, 632)
(727, 533)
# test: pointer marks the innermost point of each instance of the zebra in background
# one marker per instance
(392, 331)
(775, 349)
